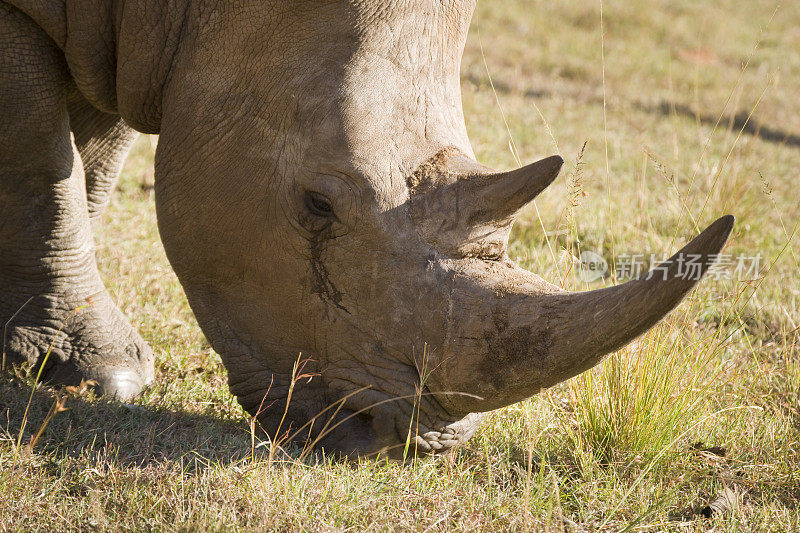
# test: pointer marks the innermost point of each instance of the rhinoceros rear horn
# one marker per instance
(472, 214)
(495, 198)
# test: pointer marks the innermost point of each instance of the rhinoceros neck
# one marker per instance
(119, 52)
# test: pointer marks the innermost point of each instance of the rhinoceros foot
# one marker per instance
(87, 339)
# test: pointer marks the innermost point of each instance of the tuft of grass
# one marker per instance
(641, 398)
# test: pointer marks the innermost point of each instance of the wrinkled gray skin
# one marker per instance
(316, 195)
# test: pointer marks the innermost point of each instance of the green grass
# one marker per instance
(635, 443)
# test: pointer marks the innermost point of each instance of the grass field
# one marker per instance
(682, 112)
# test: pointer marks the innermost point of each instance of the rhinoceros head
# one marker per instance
(320, 202)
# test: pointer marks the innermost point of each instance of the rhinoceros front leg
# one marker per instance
(49, 281)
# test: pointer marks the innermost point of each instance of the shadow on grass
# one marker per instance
(740, 121)
(106, 431)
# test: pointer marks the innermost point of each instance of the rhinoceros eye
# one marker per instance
(318, 204)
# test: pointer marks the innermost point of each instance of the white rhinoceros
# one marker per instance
(316, 193)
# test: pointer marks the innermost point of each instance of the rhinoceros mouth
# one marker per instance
(400, 427)
(405, 440)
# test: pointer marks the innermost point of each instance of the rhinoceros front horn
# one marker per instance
(516, 334)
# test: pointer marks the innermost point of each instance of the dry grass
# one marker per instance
(637, 443)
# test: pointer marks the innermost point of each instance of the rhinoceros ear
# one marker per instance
(472, 214)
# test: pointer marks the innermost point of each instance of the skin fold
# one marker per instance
(319, 200)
